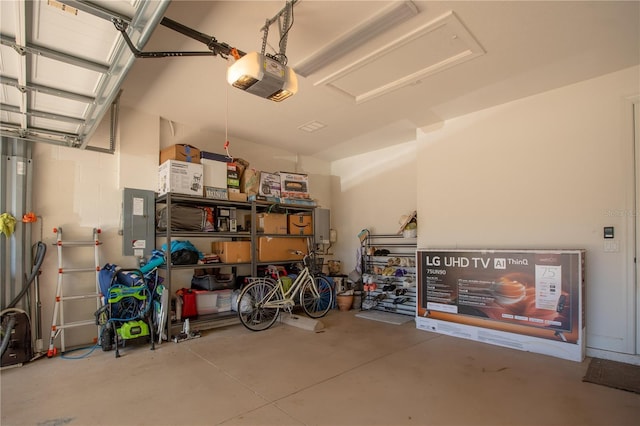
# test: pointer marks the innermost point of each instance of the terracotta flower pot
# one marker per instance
(344, 301)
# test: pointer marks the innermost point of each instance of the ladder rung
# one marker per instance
(78, 243)
(81, 296)
(74, 324)
(68, 270)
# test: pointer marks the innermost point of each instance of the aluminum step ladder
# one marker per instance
(58, 324)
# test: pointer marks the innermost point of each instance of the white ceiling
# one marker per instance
(450, 59)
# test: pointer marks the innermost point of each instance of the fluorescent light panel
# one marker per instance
(392, 15)
(445, 43)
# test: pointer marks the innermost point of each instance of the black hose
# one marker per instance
(41, 250)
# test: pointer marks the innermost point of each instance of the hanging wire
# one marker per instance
(226, 122)
(283, 37)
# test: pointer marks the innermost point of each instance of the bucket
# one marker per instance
(410, 233)
(344, 301)
(357, 300)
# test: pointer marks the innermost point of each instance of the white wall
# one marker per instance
(371, 191)
(79, 190)
(542, 172)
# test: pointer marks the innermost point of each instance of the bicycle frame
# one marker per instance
(287, 297)
(260, 302)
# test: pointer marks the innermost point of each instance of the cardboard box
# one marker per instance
(214, 168)
(269, 184)
(300, 224)
(232, 251)
(250, 182)
(180, 152)
(294, 185)
(237, 196)
(298, 201)
(216, 193)
(271, 249)
(256, 197)
(213, 156)
(180, 177)
(233, 178)
(271, 223)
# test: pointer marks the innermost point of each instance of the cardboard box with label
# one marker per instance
(294, 185)
(180, 152)
(271, 223)
(214, 167)
(269, 184)
(233, 178)
(271, 249)
(232, 251)
(300, 224)
(180, 177)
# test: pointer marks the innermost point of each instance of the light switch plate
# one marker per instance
(611, 246)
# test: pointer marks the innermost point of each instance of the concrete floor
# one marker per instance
(355, 372)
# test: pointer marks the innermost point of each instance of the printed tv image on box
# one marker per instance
(531, 293)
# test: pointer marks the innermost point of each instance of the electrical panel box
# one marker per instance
(138, 222)
(322, 226)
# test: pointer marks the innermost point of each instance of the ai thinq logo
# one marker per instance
(499, 263)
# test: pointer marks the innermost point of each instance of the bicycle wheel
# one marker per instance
(251, 300)
(316, 297)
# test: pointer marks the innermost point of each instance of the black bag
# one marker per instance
(19, 348)
(212, 282)
(184, 257)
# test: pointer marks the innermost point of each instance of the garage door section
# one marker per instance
(62, 65)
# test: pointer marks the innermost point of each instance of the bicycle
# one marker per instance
(260, 302)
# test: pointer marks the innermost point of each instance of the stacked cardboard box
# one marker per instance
(180, 152)
(271, 223)
(294, 185)
(271, 249)
(232, 251)
(269, 184)
(300, 224)
(180, 177)
(215, 175)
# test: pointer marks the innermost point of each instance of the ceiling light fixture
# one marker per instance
(312, 126)
(394, 14)
(265, 75)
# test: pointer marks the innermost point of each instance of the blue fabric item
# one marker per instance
(105, 277)
(182, 245)
(156, 259)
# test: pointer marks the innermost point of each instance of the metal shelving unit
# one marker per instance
(203, 322)
(389, 261)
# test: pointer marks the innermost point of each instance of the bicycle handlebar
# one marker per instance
(273, 270)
